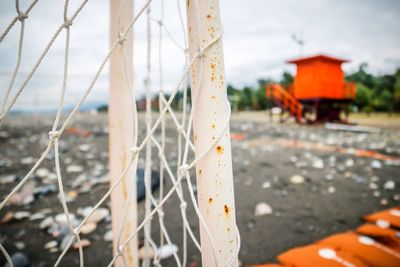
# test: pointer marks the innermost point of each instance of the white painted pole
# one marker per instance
(214, 171)
(121, 132)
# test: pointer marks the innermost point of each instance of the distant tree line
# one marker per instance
(374, 92)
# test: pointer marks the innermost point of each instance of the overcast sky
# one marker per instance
(257, 42)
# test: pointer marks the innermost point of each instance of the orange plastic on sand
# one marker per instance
(367, 249)
(265, 265)
(391, 215)
(381, 233)
(319, 256)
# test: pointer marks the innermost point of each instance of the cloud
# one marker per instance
(257, 42)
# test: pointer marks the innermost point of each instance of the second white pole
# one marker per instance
(121, 134)
(212, 110)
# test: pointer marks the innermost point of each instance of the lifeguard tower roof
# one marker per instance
(317, 57)
(320, 77)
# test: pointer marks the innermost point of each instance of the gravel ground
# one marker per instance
(335, 189)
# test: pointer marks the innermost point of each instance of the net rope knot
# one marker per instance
(54, 134)
(184, 169)
(67, 23)
(200, 52)
(22, 17)
(156, 262)
(134, 150)
(75, 232)
(183, 205)
(161, 213)
(121, 38)
(180, 129)
(120, 250)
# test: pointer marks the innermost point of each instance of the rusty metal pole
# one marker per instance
(121, 132)
(212, 109)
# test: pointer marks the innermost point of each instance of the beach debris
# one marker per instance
(71, 195)
(266, 185)
(84, 147)
(8, 179)
(46, 223)
(163, 252)
(108, 236)
(84, 243)
(79, 180)
(45, 190)
(24, 196)
(349, 163)
(28, 160)
(262, 209)
(65, 241)
(78, 132)
(389, 185)
(237, 136)
(317, 163)
(375, 179)
(141, 190)
(348, 175)
(50, 245)
(74, 168)
(42, 172)
(4, 135)
(297, 179)
(352, 128)
(373, 186)
(167, 251)
(146, 253)
(329, 177)
(19, 259)
(19, 245)
(19, 215)
(8, 217)
(376, 164)
(331, 189)
(87, 228)
(61, 218)
(97, 216)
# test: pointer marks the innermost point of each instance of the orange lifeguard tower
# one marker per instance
(319, 92)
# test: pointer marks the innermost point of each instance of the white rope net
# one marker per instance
(143, 145)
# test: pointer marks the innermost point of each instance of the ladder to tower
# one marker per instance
(285, 100)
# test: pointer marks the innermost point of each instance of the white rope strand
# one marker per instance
(16, 18)
(6, 255)
(17, 65)
(40, 59)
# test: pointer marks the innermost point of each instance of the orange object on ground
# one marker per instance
(265, 265)
(391, 215)
(78, 132)
(319, 255)
(367, 249)
(237, 136)
(381, 233)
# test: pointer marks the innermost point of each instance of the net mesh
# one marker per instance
(153, 139)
